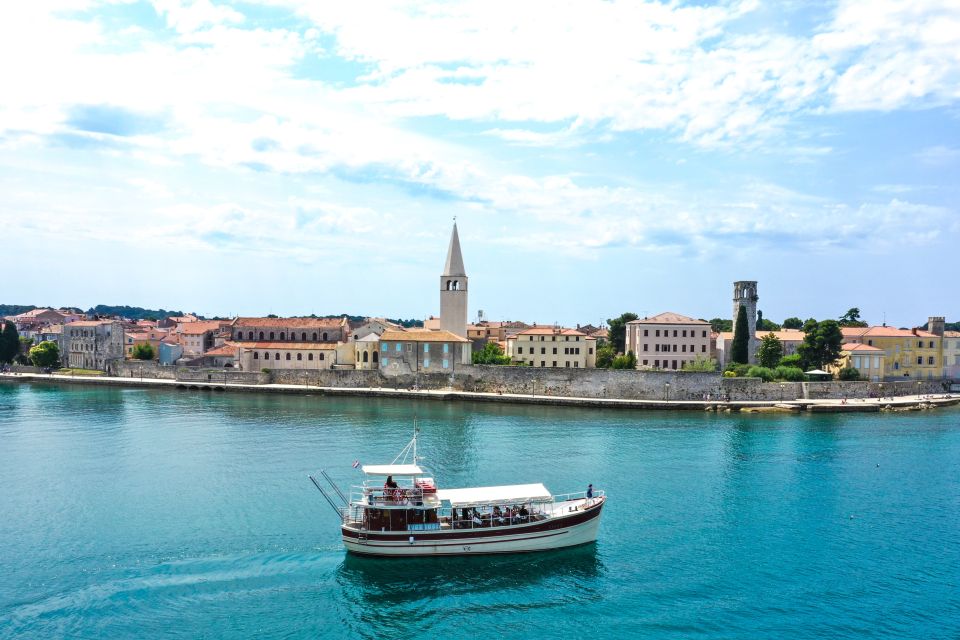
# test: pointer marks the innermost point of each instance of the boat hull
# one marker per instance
(578, 528)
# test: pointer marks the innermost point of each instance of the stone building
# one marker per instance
(199, 337)
(453, 290)
(867, 360)
(909, 353)
(366, 351)
(375, 326)
(745, 295)
(256, 356)
(421, 350)
(290, 329)
(667, 340)
(92, 344)
(553, 347)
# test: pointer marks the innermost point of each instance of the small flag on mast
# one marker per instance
(356, 463)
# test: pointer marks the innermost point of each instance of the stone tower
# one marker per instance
(745, 293)
(453, 290)
(936, 325)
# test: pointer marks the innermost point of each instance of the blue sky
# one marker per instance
(296, 157)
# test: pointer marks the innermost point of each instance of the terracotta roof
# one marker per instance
(299, 346)
(884, 332)
(421, 335)
(856, 346)
(951, 334)
(89, 323)
(786, 335)
(288, 323)
(197, 328)
(668, 317)
(226, 349)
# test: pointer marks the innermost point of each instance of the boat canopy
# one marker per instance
(515, 493)
(392, 470)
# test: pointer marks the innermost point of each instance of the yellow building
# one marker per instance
(553, 347)
(908, 353)
(868, 360)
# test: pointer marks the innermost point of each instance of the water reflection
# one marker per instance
(380, 592)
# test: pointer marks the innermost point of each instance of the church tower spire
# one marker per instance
(453, 289)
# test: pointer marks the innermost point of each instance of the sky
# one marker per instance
(298, 157)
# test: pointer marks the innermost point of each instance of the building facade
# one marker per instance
(908, 353)
(92, 344)
(667, 340)
(289, 329)
(951, 354)
(745, 295)
(790, 339)
(553, 347)
(453, 290)
(868, 360)
(423, 351)
(256, 356)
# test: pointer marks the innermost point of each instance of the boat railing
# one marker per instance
(577, 495)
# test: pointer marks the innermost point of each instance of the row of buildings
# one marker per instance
(666, 341)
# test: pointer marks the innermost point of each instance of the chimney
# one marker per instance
(914, 331)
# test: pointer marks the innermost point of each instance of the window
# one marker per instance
(386, 361)
(300, 356)
(554, 363)
(590, 351)
(656, 363)
(703, 348)
(930, 360)
(309, 356)
(409, 347)
(303, 336)
(426, 347)
(931, 344)
(919, 359)
(283, 335)
(576, 365)
(314, 336)
(543, 363)
(397, 348)
(684, 333)
(674, 365)
(658, 333)
(261, 335)
(896, 365)
(656, 347)
(870, 343)
(674, 333)
(426, 362)
(519, 350)
(276, 356)
(704, 333)
(446, 348)
(567, 364)
(684, 350)
(271, 335)
(543, 350)
(256, 356)
(554, 351)
(324, 336)
(288, 355)
(674, 348)
(446, 363)
(321, 356)
(646, 332)
(645, 363)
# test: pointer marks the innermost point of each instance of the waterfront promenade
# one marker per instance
(853, 405)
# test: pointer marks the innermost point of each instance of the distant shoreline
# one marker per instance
(867, 405)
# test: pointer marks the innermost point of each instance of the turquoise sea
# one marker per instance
(145, 514)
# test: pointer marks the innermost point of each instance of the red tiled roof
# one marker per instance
(884, 332)
(550, 331)
(856, 346)
(200, 327)
(89, 323)
(668, 317)
(226, 349)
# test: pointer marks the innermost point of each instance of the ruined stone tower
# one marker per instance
(453, 290)
(745, 293)
(936, 325)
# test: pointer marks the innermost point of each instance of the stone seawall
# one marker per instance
(575, 383)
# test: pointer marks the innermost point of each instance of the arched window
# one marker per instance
(288, 355)
(324, 336)
(321, 356)
(271, 335)
(365, 356)
(309, 356)
(374, 357)
(283, 336)
(261, 335)
(314, 336)
(256, 356)
(266, 356)
(303, 336)
(299, 356)
(276, 356)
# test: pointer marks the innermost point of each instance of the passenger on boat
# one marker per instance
(497, 516)
(524, 514)
(477, 522)
(391, 491)
(589, 491)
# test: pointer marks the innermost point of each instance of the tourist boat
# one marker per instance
(399, 511)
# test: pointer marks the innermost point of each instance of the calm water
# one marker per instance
(132, 513)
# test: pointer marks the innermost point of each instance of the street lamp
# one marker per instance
(881, 391)
(919, 385)
(666, 391)
(782, 385)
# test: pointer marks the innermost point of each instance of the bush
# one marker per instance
(849, 374)
(143, 351)
(729, 374)
(739, 370)
(763, 373)
(789, 374)
(790, 361)
(700, 363)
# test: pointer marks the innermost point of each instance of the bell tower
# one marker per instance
(745, 294)
(453, 290)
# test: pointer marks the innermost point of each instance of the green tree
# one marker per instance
(628, 361)
(492, 353)
(739, 351)
(789, 374)
(143, 351)
(720, 325)
(849, 374)
(763, 373)
(770, 351)
(605, 356)
(852, 318)
(9, 343)
(821, 344)
(45, 354)
(791, 361)
(793, 323)
(766, 325)
(618, 330)
(700, 363)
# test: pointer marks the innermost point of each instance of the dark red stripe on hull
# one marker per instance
(563, 522)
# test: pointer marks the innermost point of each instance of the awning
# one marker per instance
(818, 372)
(512, 494)
(392, 470)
